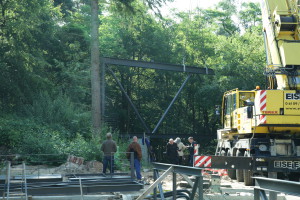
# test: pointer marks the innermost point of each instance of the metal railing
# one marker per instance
(70, 174)
(41, 164)
(274, 186)
(119, 162)
(184, 171)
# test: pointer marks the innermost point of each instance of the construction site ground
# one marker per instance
(228, 189)
(215, 187)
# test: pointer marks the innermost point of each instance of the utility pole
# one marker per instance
(95, 68)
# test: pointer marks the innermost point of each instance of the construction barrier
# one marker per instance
(196, 149)
(220, 172)
(204, 162)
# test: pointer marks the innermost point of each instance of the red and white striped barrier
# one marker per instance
(205, 161)
(202, 161)
(196, 149)
(263, 106)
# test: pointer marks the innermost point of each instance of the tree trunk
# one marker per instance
(95, 67)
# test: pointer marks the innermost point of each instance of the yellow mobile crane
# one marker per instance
(265, 124)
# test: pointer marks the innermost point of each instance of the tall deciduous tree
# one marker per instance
(95, 69)
(95, 53)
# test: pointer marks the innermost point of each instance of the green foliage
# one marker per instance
(250, 15)
(59, 110)
(120, 156)
(208, 148)
(45, 77)
(26, 34)
(25, 136)
(29, 137)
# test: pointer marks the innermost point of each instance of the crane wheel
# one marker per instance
(231, 172)
(248, 180)
(239, 172)
(248, 174)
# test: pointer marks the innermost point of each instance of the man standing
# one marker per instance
(137, 151)
(181, 148)
(191, 149)
(109, 148)
(172, 153)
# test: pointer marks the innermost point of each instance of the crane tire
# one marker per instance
(231, 172)
(239, 172)
(248, 180)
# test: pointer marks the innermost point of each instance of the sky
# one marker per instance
(187, 5)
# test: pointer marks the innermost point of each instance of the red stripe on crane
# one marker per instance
(263, 98)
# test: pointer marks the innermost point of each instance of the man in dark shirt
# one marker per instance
(191, 149)
(135, 147)
(109, 148)
(172, 153)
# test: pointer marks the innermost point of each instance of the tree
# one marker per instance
(250, 15)
(45, 67)
(27, 30)
(95, 53)
(223, 17)
(95, 67)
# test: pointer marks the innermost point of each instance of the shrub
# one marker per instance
(59, 111)
(31, 137)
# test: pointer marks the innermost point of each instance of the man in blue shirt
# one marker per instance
(135, 147)
(191, 149)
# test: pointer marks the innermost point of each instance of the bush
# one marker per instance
(59, 111)
(120, 156)
(28, 136)
(210, 148)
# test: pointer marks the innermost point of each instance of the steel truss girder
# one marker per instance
(136, 110)
(73, 188)
(158, 66)
(175, 169)
(171, 104)
(129, 100)
(150, 65)
(191, 171)
(275, 185)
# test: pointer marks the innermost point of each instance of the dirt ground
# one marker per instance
(229, 189)
(226, 187)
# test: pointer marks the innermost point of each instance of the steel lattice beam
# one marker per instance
(192, 171)
(275, 185)
(159, 66)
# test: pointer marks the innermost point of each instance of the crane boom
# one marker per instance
(282, 42)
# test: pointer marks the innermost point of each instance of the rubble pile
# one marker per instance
(74, 165)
